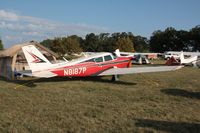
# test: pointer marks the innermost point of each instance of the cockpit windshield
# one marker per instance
(114, 55)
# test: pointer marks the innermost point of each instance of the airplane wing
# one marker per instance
(121, 71)
(112, 71)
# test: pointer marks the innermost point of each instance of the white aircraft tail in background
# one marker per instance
(191, 60)
(117, 52)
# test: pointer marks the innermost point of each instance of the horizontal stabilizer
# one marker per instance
(121, 71)
(25, 72)
(41, 74)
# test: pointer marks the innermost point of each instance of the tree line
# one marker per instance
(168, 40)
(175, 40)
(124, 41)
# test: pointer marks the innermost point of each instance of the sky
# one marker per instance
(26, 20)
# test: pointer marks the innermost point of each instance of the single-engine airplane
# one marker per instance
(94, 65)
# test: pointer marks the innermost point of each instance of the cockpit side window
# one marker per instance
(99, 59)
(107, 58)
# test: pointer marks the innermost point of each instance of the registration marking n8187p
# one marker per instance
(75, 71)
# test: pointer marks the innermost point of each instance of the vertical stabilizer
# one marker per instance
(35, 58)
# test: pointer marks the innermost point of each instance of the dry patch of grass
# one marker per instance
(164, 102)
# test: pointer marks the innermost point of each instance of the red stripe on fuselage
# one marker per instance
(90, 68)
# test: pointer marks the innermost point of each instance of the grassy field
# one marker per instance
(151, 102)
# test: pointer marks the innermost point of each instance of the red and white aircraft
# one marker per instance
(94, 65)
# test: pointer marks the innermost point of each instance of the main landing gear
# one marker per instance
(115, 77)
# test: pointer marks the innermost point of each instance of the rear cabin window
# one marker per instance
(100, 59)
(107, 57)
(90, 60)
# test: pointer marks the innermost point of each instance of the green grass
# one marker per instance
(151, 102)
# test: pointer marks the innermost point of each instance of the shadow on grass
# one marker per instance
(29, 82)
(174, 127)
(183, 93)
(93, 79)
